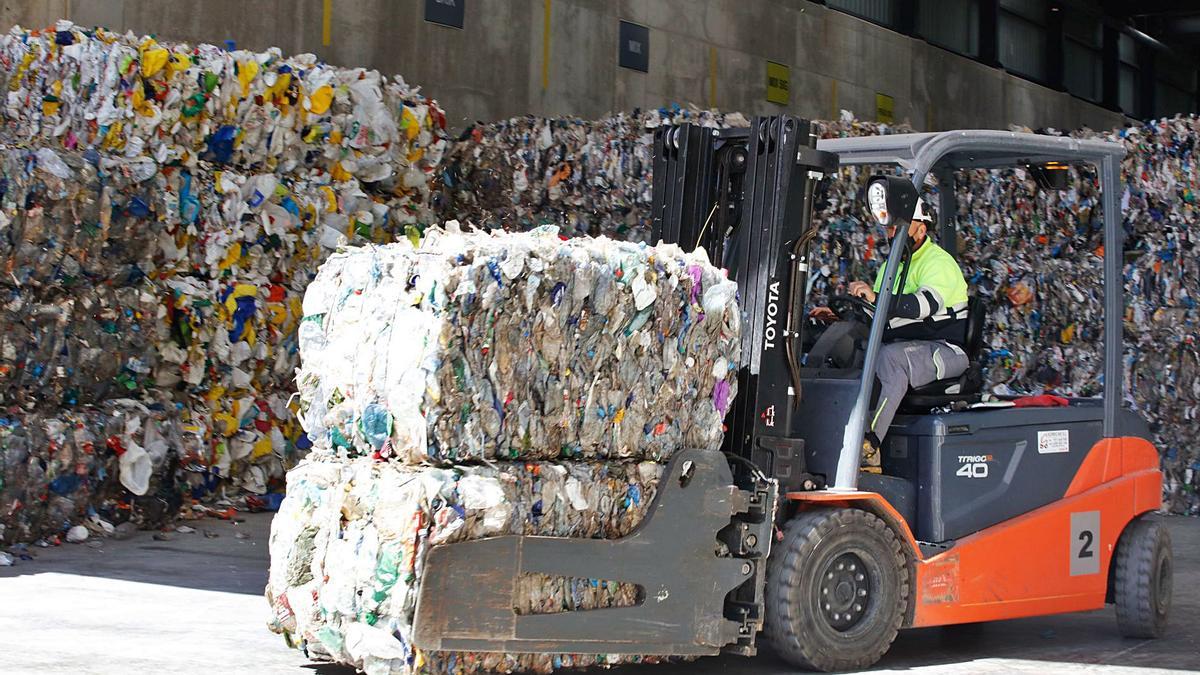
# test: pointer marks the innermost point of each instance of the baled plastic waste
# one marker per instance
(348, 544)
(479, 346)
(589, 177)
(110, 459)
(176, 104)
(162, 208)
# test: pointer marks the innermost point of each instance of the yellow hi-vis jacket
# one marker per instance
(933, 303)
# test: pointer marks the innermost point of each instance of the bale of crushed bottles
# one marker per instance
(479, 346)
(349, 542)
(590, 177)
(75, 349)
(100, 464)
(1035, 256)
(163, 207)
(177, 104)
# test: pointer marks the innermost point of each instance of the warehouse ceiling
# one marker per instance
(1174, 23)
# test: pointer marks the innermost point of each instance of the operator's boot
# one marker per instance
(870, 454)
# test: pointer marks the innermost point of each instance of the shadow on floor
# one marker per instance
(329, 669)
(1068, 642)
(220, 555)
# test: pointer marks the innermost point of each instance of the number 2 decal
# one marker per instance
(1086, 537)
(1085, 542)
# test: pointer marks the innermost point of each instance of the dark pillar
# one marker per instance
(1196, 91)
(989, 32)
(947, 211)
(1147, 83)
(1196, 83)
(1110, 58)
(906, 17)
(1055, 48)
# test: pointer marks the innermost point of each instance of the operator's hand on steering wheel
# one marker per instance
(862, 290)
(823, 314)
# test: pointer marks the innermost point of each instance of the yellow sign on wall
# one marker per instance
(884, 107)
(778, 81)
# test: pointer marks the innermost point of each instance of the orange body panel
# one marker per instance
(1022, 567)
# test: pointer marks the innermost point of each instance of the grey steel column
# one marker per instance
(1114, 286)
(850, 457)
(947, 210)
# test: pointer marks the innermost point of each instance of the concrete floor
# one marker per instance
(194, 604)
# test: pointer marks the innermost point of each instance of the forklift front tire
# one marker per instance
(1142, 580)
(837, 590)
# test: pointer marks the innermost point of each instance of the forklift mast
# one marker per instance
(746, 196)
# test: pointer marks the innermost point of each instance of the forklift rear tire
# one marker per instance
(1142, 580)
(837, 590)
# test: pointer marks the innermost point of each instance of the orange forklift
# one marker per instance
(980, 512)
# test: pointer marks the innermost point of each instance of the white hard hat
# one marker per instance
(920, 213)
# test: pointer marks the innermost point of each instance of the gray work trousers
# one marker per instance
(903, 365)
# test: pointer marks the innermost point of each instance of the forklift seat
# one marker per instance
(966, 387)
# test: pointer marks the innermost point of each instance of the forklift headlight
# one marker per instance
(877, 201)
(892, 199)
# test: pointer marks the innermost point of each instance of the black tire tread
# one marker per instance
(1134, 588)
(800, 535)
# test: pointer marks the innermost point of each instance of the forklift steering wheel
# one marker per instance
(852, 307)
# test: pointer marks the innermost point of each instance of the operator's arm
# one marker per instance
(916, 306)
(922, 304)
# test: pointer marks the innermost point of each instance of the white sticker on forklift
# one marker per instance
(1054, 441)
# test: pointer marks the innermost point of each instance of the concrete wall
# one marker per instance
(706, 52)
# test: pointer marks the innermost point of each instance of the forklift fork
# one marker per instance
(698, 558)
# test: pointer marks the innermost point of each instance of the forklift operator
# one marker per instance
(923, 340)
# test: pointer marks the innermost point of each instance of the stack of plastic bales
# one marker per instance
(847, 246)
(485, 384)
(584, 176)
(1162, 284)
(1033, 254)
(1037, 256)
(164, 207)
(78, 336)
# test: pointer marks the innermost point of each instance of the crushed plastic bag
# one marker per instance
(135, 469)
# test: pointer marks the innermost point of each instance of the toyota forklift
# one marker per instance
(979, 513)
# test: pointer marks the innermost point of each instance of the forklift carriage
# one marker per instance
(979, 514)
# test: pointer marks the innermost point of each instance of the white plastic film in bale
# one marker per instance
(348, 545)
(517, 346)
